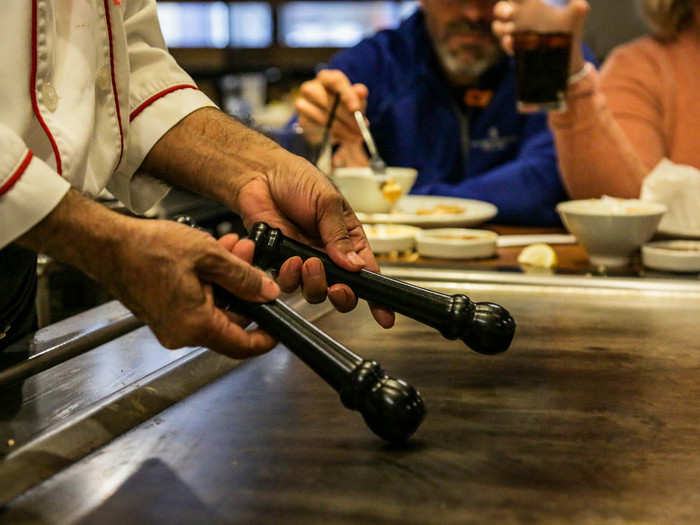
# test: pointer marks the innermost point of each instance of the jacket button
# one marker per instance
(104, 78)
(49, 97)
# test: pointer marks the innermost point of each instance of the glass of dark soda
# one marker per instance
(542, 70)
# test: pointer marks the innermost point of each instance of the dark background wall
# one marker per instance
(612, 22)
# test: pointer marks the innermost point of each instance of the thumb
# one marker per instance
(362, 93)
(335, 236)
(577, 10)
(237, 276)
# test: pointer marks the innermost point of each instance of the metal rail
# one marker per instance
(67, 349)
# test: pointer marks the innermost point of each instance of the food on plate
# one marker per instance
(388, 230)
(391, 191)
(441, 209)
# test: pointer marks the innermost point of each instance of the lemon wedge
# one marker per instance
(538, 255)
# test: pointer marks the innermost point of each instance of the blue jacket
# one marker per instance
(493, 154)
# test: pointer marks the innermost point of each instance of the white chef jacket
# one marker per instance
(87, 89)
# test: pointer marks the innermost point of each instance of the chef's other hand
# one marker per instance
(161, 270)
(164, 274)
(537, 15)
(316, 99)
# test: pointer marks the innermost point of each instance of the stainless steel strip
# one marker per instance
(65, 350)
(438, 274)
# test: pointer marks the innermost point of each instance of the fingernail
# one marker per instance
(314, 266)
(356, 259)
(270, 290)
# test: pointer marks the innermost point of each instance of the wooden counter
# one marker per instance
(572, 258)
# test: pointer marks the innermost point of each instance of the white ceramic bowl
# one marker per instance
(385, 238)
(673, 256)
(456, 243)
(611, 229)
(367, 192)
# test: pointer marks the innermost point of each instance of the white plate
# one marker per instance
(672, 256)
(472, 212)
(680, 234)
(385, 238)
(456, 243)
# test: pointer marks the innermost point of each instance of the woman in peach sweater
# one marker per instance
(642, 107)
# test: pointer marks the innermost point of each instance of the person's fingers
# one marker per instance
(315, 103)
(384, 317)
(342, 297)
(334, 217)
(507, 44)
(228, 338)
(244, 250)
(314, 284)
(343, 132)
(315, 93)
(313, 118)
(335, 81)
(239, 319)
(504, 10)
(228, 241)
(350, 155)
(578, 10)
(234, 274)
(289, 276)
(316, 98)
(362, 93)
(501, 29)
(504, 31)
(310, 114)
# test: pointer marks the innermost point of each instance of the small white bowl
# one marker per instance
(367, 192)
(611, 229)
(673, 256)
(457, 243)
(385, 238)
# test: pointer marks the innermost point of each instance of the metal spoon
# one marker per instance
(375, 161)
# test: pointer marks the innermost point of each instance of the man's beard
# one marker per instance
(467, 61)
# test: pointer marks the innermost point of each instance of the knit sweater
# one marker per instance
(643, 106)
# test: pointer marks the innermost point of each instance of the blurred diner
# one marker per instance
(439, 94)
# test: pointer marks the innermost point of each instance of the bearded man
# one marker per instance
(440, 96)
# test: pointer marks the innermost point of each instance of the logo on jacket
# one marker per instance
(494, 141)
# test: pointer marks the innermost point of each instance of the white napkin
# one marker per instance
(678, 187)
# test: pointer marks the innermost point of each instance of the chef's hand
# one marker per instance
(164, 274)
(316, 99)
(161, 270)
(537, 15)
(214, 155)
(301, 201)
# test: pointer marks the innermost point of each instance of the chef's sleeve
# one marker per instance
(29, 188)
(160, 95)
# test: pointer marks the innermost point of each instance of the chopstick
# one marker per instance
(327, 129)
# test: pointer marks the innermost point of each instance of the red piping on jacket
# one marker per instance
(17, 174)
(155, 97)
(114, 83)
(32, 92)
